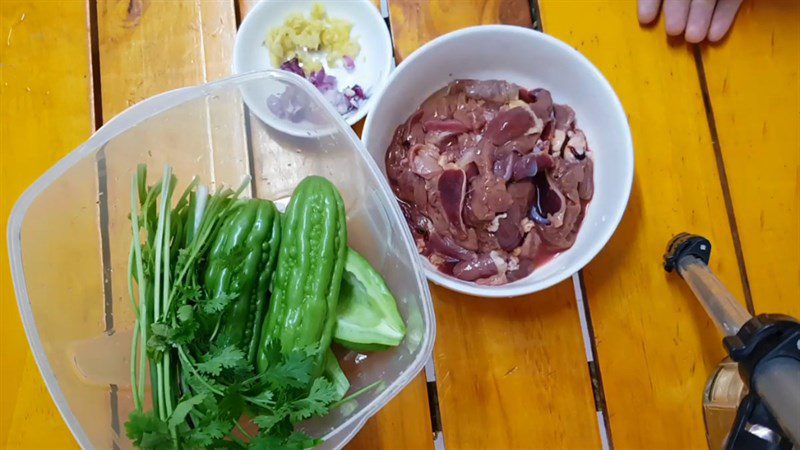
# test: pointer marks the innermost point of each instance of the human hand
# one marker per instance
(695, 19)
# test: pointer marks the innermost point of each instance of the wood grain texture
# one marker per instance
(754, 82)
(404, 423)
(655, 344)
(415, 22)
(146, 48)
(511, 373)
(45, 99)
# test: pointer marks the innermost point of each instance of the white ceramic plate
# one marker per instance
(530, 59)
(373, 64)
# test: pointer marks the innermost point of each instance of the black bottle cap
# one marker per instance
(686, 244)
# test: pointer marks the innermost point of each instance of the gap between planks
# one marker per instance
(102, 204)
(585, 317)
(723, 177)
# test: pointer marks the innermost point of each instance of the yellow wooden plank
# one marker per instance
(402, 424)
(655, 345)
(45, 99)
(754, 86)
(511, 373)
(415, 22)
(146, 48)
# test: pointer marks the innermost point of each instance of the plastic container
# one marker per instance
(69, 233)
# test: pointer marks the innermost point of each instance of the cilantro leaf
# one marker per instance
(183, 333)
(295, 441)
(321, 395)
(188, 292)
(299, 440)
(217, 429)
(146, 430)
(264, 443)
(217, 304)
(185, 313)
(294, 370)
(228, 357)
(183, 408)
(207, 432)
(163, 336)
(264, 398)
(266, 421)
(232, 404)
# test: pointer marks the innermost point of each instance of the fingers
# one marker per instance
(695, 19)
(675, 14)
(648, 10)
(723, 18)
(700, 13)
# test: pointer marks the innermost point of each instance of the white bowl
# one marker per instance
(373, 64)
(530, 59)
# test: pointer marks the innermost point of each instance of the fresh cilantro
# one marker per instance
(185, 313)
(232, 403)
(298, 440)
(183, 408)
(207, 433)
(217, 304)
(228, 357)
(267, 421)
(295, 441)
(213, 388)
(189, 292)
(321, 395)
(163, 336)
(294, 370)
(146, 430)
(183, 333)
(264, 399)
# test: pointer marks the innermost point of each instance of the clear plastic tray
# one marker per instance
(68, 239)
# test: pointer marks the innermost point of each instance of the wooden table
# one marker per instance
(617, 355)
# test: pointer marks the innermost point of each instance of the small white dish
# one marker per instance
(372, 65)
(530, 59)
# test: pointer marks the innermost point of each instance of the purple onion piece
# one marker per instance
(338, 100)
(359, 92)
(354, 96)
(349, 63)
(274, 105)
(322, 81)
(288, 105)
(293, 65)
